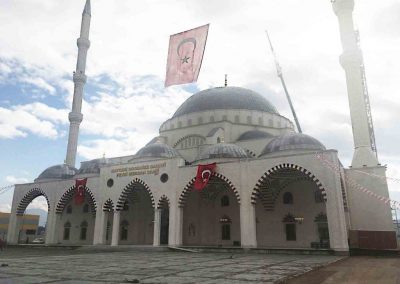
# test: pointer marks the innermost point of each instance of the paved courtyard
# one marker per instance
(46, 265)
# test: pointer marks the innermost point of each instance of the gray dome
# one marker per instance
(223, 150)
(225, 98)
(157, 150)
(93, 166)
(254, 134)
(57, 172)
(292, 141)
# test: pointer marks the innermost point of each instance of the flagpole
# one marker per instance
(280, 75)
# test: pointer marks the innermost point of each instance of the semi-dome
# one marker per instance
(157, 150)
(254, 134)
(57, 172)
(292, 141)
(223, 150)
(92, 166)
(225, 98)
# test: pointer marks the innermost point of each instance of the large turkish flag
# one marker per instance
(204, 173)
(80, 185)
(185, 55)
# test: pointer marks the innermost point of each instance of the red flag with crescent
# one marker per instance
(80, 185)
(204, 173)
(185, 54)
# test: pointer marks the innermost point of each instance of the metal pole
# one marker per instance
(280, 75)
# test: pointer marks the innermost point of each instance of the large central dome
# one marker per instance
(225, 98)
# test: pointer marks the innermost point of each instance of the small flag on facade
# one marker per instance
(204, 173)
(185, 55)
(80, 185)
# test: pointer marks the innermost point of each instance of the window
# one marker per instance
(224, 117)
(126, 206)
(260, 121)
(108, 230)
(226, 232)
(69, 209)
(218, 140)
(211, 118)
(83, 234)
(124, 230)
(67, 229)
(237, 120)
(31, 232)
(189, 122)
(287, 198)
(270, 123)
(86, 208)
(290, 232)
(249, 120)
(224, 201)
(319, 197)
(179, 124)
(200, 120)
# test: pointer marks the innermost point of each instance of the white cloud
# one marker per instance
(16, 180)
(38, 203)
(18, 123)
(40, 83)
(5, 208)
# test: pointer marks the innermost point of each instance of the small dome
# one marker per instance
(292, 141)
(223, 150)
(57, 172)
(157, 150)
(93, 166)
(254, 134)
(225, 98)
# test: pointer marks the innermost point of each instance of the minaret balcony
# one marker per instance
(83, 42)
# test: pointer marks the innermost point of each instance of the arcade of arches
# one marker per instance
(289, 211)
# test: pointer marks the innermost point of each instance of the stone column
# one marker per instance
(248, 225)
(176, 223)
(13, 228)
(100, 227)
(157, 227)
(336, 216)
(52, 226)
(115, 230)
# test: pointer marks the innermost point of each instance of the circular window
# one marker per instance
(164, 178)
(110, 182)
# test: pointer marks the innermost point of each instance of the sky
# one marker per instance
(125, 101)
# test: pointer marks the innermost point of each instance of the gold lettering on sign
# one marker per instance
(153, 169)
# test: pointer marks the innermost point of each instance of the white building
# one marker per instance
(273, 187)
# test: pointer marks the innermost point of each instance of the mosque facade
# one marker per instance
(272, 186)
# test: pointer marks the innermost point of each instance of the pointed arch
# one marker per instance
(189, 186)
(108, 206)
(131, 186)
(28, 197)
(68, 195)
(164, 200)
(264, 183)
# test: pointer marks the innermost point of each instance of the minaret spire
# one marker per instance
(79, 78)
(352, 63)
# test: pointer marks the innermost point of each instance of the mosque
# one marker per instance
(272, 186)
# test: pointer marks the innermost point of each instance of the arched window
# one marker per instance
(319, 197)
(69, 209)
(287, 198)
(124, 230)
(67, 230)
(84, 226)
(224, 201)
(108, 229)
(126, 206)
(212, 119)
(86, 208)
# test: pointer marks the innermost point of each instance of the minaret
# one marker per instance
(79, 78)
(352, 63)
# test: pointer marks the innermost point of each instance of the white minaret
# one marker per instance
(351, 61)
(79, 78)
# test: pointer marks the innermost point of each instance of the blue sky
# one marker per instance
(125, 101)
